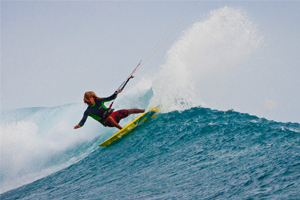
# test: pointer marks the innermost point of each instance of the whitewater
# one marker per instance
(188, 151)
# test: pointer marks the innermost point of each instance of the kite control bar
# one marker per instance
(126, 83)
(122, 86)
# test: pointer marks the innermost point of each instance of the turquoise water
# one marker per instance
(198, 153)
(187, 151)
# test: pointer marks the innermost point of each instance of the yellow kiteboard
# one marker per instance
(139, 120)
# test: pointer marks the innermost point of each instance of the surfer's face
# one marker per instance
(90, 100)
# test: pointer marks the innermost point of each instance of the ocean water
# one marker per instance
(198, 153)
(193, 149)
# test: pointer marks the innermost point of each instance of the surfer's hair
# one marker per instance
(90, 93)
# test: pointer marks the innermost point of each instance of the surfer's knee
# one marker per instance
(108, 121)
(111, 122)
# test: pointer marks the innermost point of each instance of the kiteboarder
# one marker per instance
(98, 111)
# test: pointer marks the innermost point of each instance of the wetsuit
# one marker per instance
(98, 111)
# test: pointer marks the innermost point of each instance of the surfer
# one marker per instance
(97, 110)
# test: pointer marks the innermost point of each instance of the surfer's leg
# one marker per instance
(115, 117)
(112, 123)
(135, 111)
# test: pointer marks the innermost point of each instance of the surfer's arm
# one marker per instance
(81, 123)
(112, 97)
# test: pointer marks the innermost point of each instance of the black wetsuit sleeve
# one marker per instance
(85, 115)
(110, 98)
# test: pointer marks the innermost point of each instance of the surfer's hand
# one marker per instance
(119, 91)
(77, 126)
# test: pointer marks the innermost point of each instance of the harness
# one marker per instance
(106, 114)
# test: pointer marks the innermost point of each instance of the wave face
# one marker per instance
(197, 153)
(186, 152)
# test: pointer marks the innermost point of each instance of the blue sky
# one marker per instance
(54, 51)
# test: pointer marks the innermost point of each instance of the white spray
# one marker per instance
(34, 142)
(210, 47)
